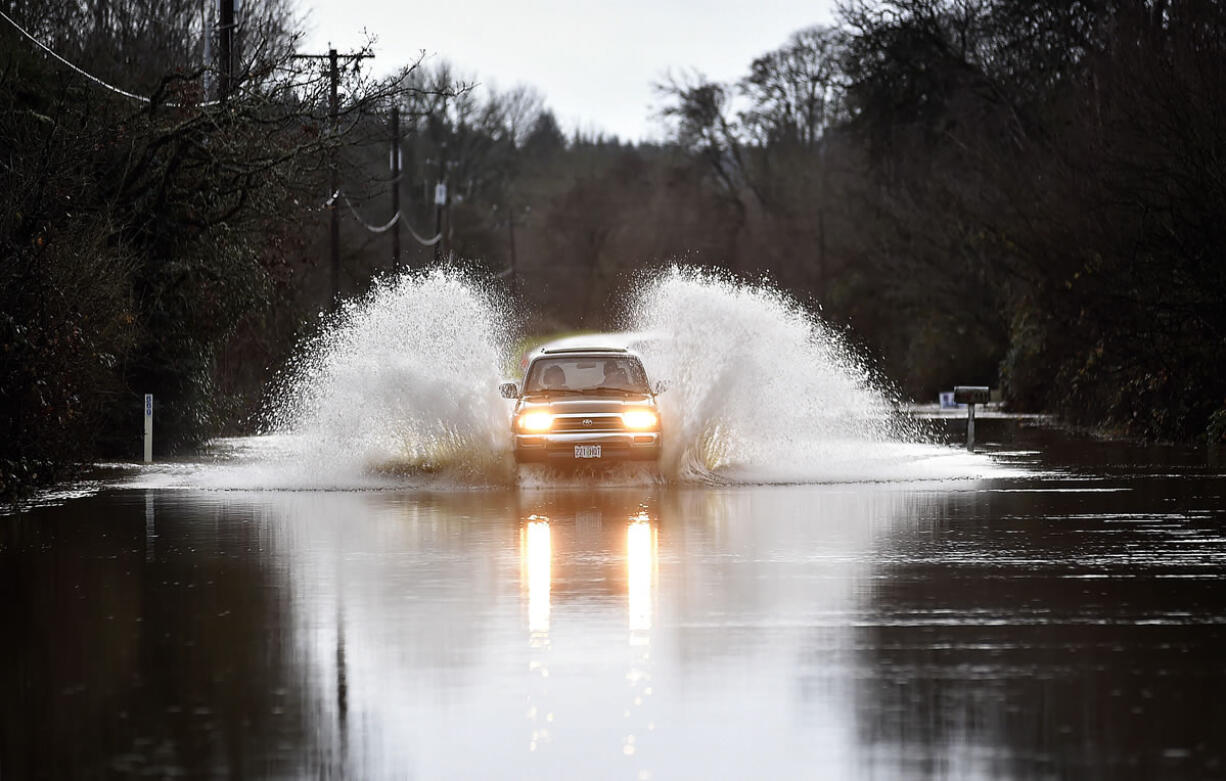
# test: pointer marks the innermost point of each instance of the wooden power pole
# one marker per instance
(334, 78)
(333, 188)
(225, 29)
(395, 187)
(440, 189)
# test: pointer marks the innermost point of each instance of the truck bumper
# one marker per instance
(561, 448)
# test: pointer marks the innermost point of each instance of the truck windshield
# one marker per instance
(579, 374)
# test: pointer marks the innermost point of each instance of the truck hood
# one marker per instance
(586, 406)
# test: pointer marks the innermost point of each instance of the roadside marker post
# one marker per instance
(970, 395)
(148, 428)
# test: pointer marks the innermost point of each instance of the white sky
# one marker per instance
(594, 62)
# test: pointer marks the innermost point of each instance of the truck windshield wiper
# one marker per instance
(555, 391)
(610, 389)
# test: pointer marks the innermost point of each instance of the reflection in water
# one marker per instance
(536, 545)
(1007, 629)
(572, 564)
(641, 562)
(536, 574)
(640, 574)
(150, 527)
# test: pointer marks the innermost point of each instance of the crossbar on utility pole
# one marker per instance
(334, 76)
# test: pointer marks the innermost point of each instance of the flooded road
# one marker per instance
(1066, 619)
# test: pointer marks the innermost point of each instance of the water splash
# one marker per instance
(761, 390)
(402, 383)
(399, 390)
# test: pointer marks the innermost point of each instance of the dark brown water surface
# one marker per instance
(1069, 623)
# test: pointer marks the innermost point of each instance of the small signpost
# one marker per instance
(148, 428)
(970, 395)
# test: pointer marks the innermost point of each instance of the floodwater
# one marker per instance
(1064, 619)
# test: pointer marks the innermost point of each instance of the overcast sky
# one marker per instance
(594, 62)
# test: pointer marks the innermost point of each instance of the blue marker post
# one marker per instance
(148, 428)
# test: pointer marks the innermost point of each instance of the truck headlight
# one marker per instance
(640, 419)
(535, 421)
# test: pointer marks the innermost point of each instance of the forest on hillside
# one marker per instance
(1022, 194)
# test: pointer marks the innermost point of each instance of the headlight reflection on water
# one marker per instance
(641, 562)
(536, 572)
(640, 574)
(536, 578)
(537, 565)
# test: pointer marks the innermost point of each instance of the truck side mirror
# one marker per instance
(661, 386)
(508, 390)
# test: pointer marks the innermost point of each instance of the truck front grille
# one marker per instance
(589, 423)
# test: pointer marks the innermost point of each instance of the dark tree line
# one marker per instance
(145, 239)
(1023, 194)
(1058, 168)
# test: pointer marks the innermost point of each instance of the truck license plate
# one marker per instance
(587, 451)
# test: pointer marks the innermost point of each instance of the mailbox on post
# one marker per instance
(970, 395)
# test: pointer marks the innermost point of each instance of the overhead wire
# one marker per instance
(504, 274)
(372, 228)
(95, 79)
(143, 99)
(387, 225)
(424, 242)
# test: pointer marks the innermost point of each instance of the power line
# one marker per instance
(419, 239)
(396, 218)
(143, 99)
(94, 78)
(372, 228)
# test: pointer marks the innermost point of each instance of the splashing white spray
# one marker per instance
(763, 391)
(403, 382)
(399, 389)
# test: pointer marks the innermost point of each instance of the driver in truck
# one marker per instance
(615, 376)
(553, 378)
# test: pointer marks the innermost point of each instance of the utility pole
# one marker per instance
(333, 189)
(226, 29)
(334, 78)
(440, 189)
(821, 218)
(206, 56)
(395, 186)
(514, 270)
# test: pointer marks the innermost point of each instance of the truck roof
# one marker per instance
(607, 342)
(567, 350)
